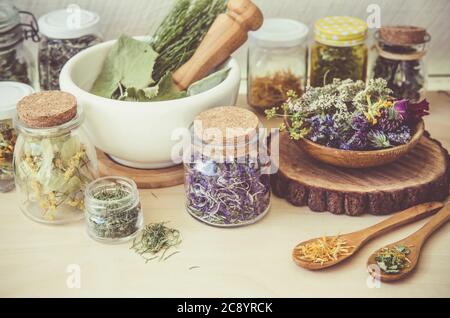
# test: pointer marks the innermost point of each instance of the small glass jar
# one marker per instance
(53, 165)
(339, 50)
(113, 210)
(11, 93)
(16, 62)
(277, 62)
(227, 184)
(399, 59)
(61, 40)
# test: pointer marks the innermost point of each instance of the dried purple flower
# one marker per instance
(401, 136)
(360, 123)
(413, 112)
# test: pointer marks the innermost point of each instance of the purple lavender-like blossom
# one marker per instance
(360, 123)
(413, 112)
(401, 136)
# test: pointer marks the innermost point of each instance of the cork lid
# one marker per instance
(226, 125)
(403, 34)
(47, 109)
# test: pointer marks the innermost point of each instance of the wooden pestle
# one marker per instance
(226, 35)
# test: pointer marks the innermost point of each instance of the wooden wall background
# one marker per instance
(136, 17)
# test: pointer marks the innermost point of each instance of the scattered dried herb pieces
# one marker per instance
(271, 90)
(155, 240)
(393, 260)
(54, 53)
(323, 250)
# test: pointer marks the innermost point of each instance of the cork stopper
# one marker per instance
(226, 125)
(403, 34)
(47, 109)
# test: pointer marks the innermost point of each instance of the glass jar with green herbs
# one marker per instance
(113, 210)
(11, 93)
(339, 50)
(54, 160)
(400, 60)
(16, 62)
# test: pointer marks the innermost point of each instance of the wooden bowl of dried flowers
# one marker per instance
(353, 125)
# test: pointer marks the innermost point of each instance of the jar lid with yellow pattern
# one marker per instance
(340, 31)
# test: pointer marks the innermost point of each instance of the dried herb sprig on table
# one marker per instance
(181, 32)
(350, 115)
(155, 240)
(393, 260)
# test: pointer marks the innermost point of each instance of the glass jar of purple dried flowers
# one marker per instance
(64, 34)
(400, 60)
(227, 168)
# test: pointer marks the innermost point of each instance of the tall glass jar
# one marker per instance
(16, 62)
(11, 93)
(63, 36)
(400, 55)
(277, 62)
(339, 50)
(227, 169)
(53, 160)
(113, 210)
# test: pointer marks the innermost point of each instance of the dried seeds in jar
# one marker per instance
(60, 42)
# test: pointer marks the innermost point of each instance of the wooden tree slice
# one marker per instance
(421, 175)
(144, 178)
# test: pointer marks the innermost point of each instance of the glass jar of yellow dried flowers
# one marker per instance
(54, 160)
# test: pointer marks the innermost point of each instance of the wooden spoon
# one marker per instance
(227, 33)
(414, 243)
(359, 238)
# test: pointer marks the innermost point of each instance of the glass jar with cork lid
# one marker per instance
(227, 168)
(54, 160)
(400, 60)
(277, 62)
(339, 50)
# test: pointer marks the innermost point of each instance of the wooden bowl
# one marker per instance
(359, 159)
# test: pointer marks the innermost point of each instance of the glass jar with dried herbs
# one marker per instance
(277, 62)
(61, 40)
(113, 210)
(11, 93)
(339, 50)
(16, 62)
(400, 55)
(53, 160)
(227, 168)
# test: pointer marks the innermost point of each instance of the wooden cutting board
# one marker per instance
(144, 178)
(421, 175)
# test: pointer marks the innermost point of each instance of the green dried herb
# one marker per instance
(117, 215)
(7, 141)
(328, 63)
(181, 32)
(393, 260)
(155, 240)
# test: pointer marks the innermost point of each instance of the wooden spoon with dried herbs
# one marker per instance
(395, 261)
(320, 253)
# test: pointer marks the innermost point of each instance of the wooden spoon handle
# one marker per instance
(435, 222)
(409, 215)
(226, 35)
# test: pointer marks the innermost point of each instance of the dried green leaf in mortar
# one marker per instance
(139, 95)
(168, 90)
(129, 62)
(208, 82)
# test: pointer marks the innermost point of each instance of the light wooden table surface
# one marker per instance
(254, 261)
